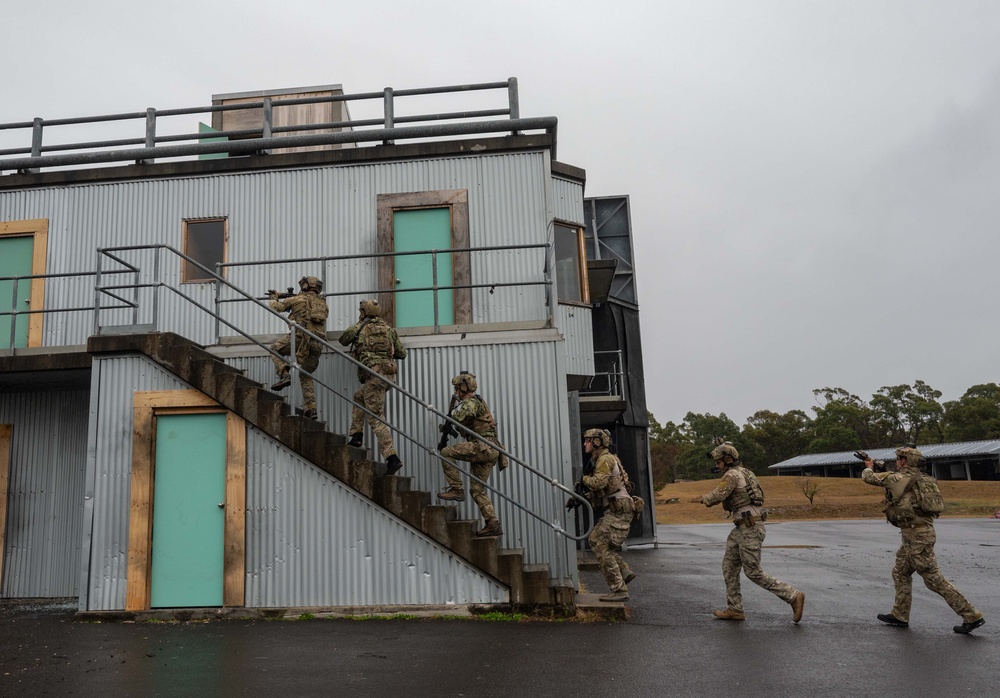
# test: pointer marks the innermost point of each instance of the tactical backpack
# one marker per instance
(927, 496)
(753, 489)
(925, 500)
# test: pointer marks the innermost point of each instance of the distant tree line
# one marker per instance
(841, 422)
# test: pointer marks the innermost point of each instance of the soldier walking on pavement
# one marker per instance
(608, 486)
(473, 413)
(308, 309)
(741, 495)
(377, 346)
(916, 553)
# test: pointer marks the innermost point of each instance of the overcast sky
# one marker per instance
(814, 185)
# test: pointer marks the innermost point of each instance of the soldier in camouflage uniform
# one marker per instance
(608, 485)
(741, 495)
(473, 413)
(916, 554)
(308, 309)
(377, 346)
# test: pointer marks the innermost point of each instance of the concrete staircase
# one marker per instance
(530, 587)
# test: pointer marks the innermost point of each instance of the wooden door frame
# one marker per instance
(145, 407)
(457, 200)
(38, 228)
(6, 434)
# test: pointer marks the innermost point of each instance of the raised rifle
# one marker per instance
(877, 465)
(447, 429)
(288, 293)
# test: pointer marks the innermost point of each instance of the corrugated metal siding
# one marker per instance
(524, 386)
(567, 200)
(310, 540)
(577, 329)
(280, 215)
(45, 500)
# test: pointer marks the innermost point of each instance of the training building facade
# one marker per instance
(143, 462)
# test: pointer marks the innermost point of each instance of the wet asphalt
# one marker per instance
(672, 646)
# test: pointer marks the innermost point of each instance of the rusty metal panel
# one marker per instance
(45, 501)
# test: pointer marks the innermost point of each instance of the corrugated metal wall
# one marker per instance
(310, 540)
(45, 500)
(521, 381)
(575, 324)
(286, 214)
(567, 200)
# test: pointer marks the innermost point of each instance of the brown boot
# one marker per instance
(452, 495)
(492, 528)
(729, 614)
(798, 603)
(614, 596)
(283, 382)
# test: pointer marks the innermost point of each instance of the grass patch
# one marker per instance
(500, 617)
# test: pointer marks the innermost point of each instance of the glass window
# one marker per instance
(205, 242)
(571, 275)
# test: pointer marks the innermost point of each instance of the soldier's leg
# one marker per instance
(731, 566)
(357, 414)
(902, 577)
(478, 491)
(310, 362)
(619, 527)
(751, 540)
(283, 347)
(600, 543)
(464, 451)
(925, 564)
(375, 401)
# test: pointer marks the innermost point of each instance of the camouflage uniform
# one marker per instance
(473, 413)
(916, 553)
(309, 310)
(745, 540)
(377, 346)
(607, 489)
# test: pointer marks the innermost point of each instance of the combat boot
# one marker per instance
(492, 528)
(966, 628)
(356, 439)
(310, 414)
(452, 494)
(629, 576)
(283, 382)
(729, 614)
(393, 464)
(892, 620)
(614, 596)
(798, 603)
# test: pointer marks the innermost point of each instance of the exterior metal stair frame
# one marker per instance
(529, 585)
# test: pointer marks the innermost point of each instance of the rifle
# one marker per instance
(447, 429)
(878, 465)
(580, 488)
(288, 293)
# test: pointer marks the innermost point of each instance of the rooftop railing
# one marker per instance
(149, 143)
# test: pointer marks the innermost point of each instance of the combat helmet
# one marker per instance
(311, 283)
(601, 438)
(722, 450)
(912, 456)
(370, 308)
(466, 381)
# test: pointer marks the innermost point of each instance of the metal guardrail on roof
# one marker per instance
(44, 152)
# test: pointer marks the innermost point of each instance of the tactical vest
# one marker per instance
(749, 493)
(483, 424)
(615, 488)
(375, 348)
(310, 312)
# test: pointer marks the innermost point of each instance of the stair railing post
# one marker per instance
(97, 291)
(156, 294)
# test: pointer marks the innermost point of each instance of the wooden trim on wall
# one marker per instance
(6, 430)
(581, 246)
(145, 407)
(455, 199)
(39, 229)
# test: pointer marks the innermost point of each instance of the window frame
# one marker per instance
(185, 224)
(38, 228)
(581, 259)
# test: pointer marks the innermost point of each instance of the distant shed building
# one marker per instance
(969, 460)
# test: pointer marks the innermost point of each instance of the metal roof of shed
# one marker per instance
(962, 449)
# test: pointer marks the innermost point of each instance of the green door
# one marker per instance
(188, 524)
(422, 229)
(15, 260)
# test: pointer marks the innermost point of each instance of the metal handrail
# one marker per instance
(615, 376)
(262, 140)
(294, 329)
